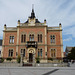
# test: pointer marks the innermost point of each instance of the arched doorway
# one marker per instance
(30, 57)
(31, 52)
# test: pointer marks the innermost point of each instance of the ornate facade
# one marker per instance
(34, 39)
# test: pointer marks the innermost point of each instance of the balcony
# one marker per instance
(31, 44)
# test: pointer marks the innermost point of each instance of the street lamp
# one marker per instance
(21, 59)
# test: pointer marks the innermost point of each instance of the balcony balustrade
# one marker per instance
(31, 44)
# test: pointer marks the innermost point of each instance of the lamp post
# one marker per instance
(33, 59)
(21, 59)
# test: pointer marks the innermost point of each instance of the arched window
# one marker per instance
(39, 52)
(23, 38)
(10, 53)
(53, 53)
(39, 37)
(23, 52)
(11, 40)
(52, 38)
(31, 37)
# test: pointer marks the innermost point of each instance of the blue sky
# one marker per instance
(54, 11)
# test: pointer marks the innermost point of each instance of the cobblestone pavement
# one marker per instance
(38, 70)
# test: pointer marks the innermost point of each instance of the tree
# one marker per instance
(71, 55)
(19, 59)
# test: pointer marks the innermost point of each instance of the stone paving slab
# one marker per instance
(37, 71)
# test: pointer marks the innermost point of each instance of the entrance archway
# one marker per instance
(31, 56)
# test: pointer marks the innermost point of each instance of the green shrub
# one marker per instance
(50, 59)
(18, 59)
(37, 60)
(1, 60)
(9, 59)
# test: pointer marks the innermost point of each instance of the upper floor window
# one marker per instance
(23, 38)
(10, 53)
(53, 53)
(52, 38)
(31, 37)
(23, 52)
(39, 37)
(39, 52)
(11, 40)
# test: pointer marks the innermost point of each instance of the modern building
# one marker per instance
(33, 39)
(0, 47)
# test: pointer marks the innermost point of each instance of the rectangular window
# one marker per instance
(23, 52)
(52, 39)
(11, 40)
(10, 52)
(39, 37)
(39, 52)
(53, 53)
(23, 38)
(31, 37)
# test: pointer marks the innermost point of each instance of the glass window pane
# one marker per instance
(24, 53)
(41, 52)
(24, 38)
(21, 38)
(40, 37)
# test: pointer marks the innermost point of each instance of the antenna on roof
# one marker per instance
(33, 6)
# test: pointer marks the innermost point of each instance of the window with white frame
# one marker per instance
(31, 37)
(52, 38)
(39, 37)
(23, 52)
(11, 39)
(23, 38)
(39, 52)
(10, 53)
(53, 53)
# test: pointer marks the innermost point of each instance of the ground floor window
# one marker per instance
(39, 52)
(23, 52)
(10, 52)
(53, 53)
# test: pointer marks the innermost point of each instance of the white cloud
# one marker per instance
(68, 39)
(70, 30)
(55, 11)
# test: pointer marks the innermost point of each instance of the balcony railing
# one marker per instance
(31, 44)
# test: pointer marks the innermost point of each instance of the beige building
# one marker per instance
(34, 39)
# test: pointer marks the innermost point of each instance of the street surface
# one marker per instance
(38, 70)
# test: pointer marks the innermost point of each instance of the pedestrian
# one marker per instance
(68, 64)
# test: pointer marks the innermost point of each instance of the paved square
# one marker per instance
(37, 70)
